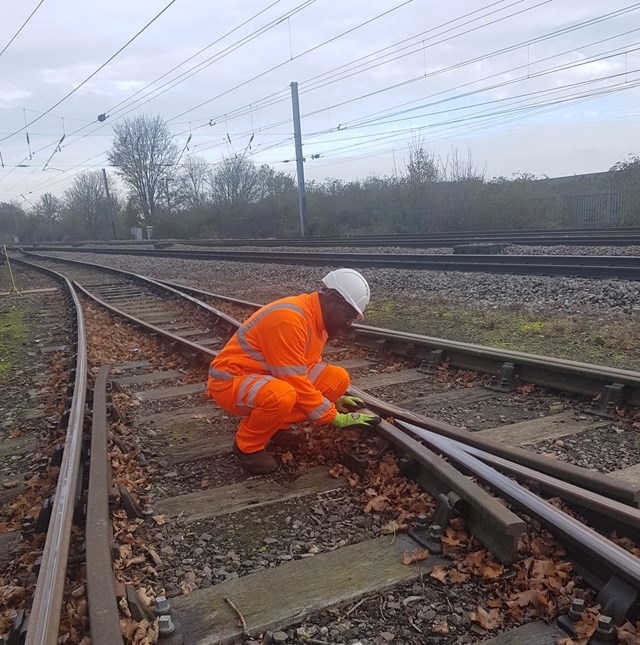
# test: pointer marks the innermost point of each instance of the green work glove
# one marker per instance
(347, 403)
(353, 419)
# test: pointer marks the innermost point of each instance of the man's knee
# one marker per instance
(333, 382)
(279, 396)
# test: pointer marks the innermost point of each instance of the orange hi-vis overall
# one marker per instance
(270, 372)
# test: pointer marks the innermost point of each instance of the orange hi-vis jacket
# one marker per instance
(283, 339)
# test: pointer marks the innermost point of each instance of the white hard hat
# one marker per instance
(351, 286)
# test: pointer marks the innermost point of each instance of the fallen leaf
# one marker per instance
(390, 527)
(286, 457)
(486, 619)
(378, 503)
(440, 573)
(160, 519)
(440, 627)
(413, 556)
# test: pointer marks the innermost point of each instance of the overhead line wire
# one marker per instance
(537, 39)
(24, 24)
(86, 80)
(304, 53)
(75, 132)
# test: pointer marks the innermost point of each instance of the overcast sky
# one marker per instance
(549, 87)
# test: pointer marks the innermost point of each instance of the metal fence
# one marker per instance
(608, 206)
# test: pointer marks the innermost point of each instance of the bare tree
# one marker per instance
(235, 182)
(193, 182)
(12, 218)
(144, 156)
(454, 168)
(49, 207)
(87, 199)
(422, 168)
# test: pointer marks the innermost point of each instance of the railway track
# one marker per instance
(206, 615)
(592, 236)
(623, 267)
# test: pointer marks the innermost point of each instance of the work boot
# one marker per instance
(259, 463)
(288, 438)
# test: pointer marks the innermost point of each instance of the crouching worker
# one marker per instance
(270, 373)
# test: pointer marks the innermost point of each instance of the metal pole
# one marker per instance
(299, 158)
(106, 190)
(13, 282)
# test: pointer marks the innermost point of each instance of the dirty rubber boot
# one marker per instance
(287, 438)
(259, 463)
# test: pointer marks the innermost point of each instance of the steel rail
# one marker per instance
(597, 236)
(167, 335)
(621, 562)
(617, 489)
(104, 619)
(150, 282)
(497, 527)
(568, 376)
(563, 374)
(605, 506)
(622, 267)
(44, 619)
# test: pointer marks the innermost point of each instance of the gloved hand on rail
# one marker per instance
(346, 404)
(353, 419)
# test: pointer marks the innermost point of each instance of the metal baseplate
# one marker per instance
(616, 598)
(429, 535)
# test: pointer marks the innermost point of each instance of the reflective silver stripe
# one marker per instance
(320, 410)
(253, 390)
(252, 385)
(315, 371)
(221, 375)
(257, 355)
(289, 370)
(247, 349)
(243, 388)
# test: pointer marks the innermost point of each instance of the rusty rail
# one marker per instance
(104, 620)
(44, 620)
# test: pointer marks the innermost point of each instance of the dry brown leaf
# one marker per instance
(378, 503)
(390, 527)
(286, 457)
(414, 555)
(440, 627)
(486, 619)
(440, 573)
(492, 570)
(458, 577)
(160, 519)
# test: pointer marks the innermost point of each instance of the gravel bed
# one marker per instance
(508, 249)
(260, 283)
(587, 449)
(223, 548)
(412, 614)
